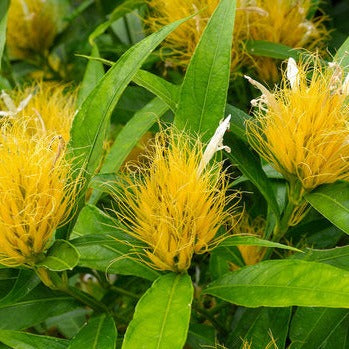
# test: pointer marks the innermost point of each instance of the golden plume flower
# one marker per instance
(32, 26)
(254, 227)
(46, 104)
(282, 21)
(176, 200)
(37, 191)
(301, 128)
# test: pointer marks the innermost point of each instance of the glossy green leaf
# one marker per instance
(249, 164)
(61, 256)
(237, 121)
(162, 315)
(283, 283)
(271, 49)
(111, 255)
(259, 326)
(161, 88)
(24, 340)
(338, 257)
(205, 86)
(4, 5)
(314, 328)
(237, 240)
(129, 136)
(25, 282)
(342, 56)
(93, 74)
(99, 333)
(37, 306)
(332, 201)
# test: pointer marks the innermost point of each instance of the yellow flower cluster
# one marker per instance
(32, 26)
(175, 203)
(36, 185)
(281, 21)
(301, 128)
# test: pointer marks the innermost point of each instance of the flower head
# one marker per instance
(36, 192)
(46, 104)
(302, 127)
(32, 26)
(172, 205)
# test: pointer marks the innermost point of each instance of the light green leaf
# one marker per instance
(204, 89)
(271, 49)
(24, 340)
(61, 256)
(249, 164)
(332, 201)
(99, 333)
(25, 282)
(93, 74)
(283, 283)
(4, 5)
(314, 328)
(237, 240)
(342, 56)
(162, 315)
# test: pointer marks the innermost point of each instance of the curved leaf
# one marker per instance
(271, 49)
(283, 283)
(162, 315)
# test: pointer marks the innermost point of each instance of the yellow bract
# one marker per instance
(32, 27)
(303, 130)
(280, 21)
(171, 205)
(36, 192)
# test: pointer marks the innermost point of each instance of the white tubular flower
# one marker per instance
(215, 144)
(292, 73)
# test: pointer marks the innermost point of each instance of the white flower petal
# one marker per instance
(292, 73)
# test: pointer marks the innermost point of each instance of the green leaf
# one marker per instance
(237, 240)
(128, 138)
(332, 201)
(4, 5)
(283, 283)
(201, 336)
(110, 255)
(249, 164)
(161, 88)
(99, 333)
(258, 327)
(271, 49)
(24, 340)
(90, 123)
(25, 282)
(37, 306)
(314, 328)
(61, 256)
(93, 74)
(342, 56)
(205, 86)
(162, 315)
(338, 257)
(237, 121)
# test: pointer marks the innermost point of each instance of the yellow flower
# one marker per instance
(176, 201)
(32, 26)
(256, 227)
(301, 128)
(36, 192)
(281, 21)
(45, 104)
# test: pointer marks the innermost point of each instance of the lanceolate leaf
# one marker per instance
(271, 49)
(283, 283)
(204, 90)
(4, 5)
(99, 333)
(332, 201)
(342, 56)
(161, 319)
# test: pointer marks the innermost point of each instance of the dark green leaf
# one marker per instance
(99, 333)
(204, 90)
(4, 5)
(237, 121)
(23, 340)
(332, 201)
(61, 256)
(201, 336)
(283, 283)
(161, 318)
